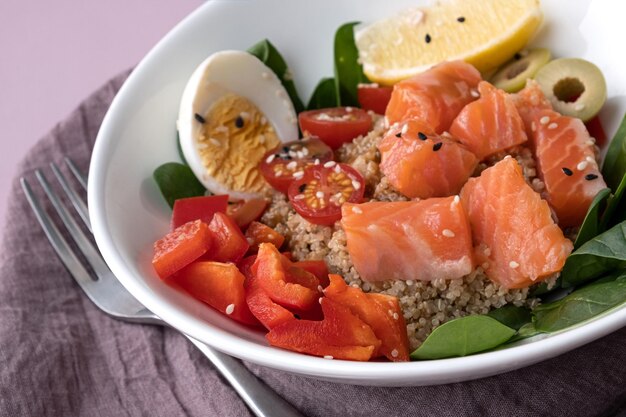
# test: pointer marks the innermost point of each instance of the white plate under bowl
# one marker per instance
(138, 134)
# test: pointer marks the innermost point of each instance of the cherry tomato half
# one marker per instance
(374, 98)
(282, 165)
(319, 194)
(336, 125)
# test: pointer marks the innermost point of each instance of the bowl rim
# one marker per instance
(371, 373)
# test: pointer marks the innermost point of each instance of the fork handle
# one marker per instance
(262, 401)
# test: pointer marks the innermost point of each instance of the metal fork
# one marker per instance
(108, 294)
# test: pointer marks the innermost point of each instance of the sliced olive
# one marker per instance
(512, 76)
(575, 87)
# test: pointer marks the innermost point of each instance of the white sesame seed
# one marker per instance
(305, 151)
(319, 194)
(298, 174)
(456, 199)
(590, 159)
(357, 210)
(337, 169)
(589, 142)
(330, 164)
(582, 165)
(474, 93)
(507, 157)
(390, 312)
(316, 162)
(544, 120)
(405, 129)
(513, 264)
(552, 126)
(349, 109)
(328, 357)
(299, 197)
(319, 288)
(279, 173)
(230, 308)
(448, 233)
(319, 300)
(396, 316)
(215, 141)
(292, 165)
(579, 107)
(394, 353)
(356, 184)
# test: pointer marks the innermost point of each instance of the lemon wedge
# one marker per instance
(484, 33)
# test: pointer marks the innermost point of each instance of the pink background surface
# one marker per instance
(53, 54)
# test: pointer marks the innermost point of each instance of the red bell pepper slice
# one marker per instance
(197, 208)
(230, 245)
(317, 268)
(180, 247)
(248, 211)
(381, 312)
(262, 307)
(269, 268)
(219, 285)
(258, 233)
(341, 335)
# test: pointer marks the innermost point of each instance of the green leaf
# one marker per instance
(325, 95)
(348, 72)
(616, 207)
(463, 336)
(580, 305)
(600, 255)
(269, 55)
(614, 166)
(524, 332)
(511, 316)
(591, 225)
(177, 181)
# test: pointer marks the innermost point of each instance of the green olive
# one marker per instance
(512, 76)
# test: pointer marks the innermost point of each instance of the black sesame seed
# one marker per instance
(427, 38)
(199, 118)
(301, 188)
(567, 171)
(399, 134)
(517, 56)
(422, 135)
(239, 122)
(437, 146)
(297, 316)
(460, 19)
(591, 177)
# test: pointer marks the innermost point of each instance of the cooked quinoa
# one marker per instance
(425, 304)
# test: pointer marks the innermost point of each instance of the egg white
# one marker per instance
(239, 73)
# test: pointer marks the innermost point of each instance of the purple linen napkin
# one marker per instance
(60, 356)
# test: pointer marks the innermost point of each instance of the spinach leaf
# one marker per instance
(604, 253)
(524, 332)
(324, 95)
(614, 166)
(463, 336)
(348, 72)
(580, 305)
(177, 181)
(591, 225)
(511, 316)
(269, 55)
(616, 206)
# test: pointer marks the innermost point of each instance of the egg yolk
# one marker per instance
(235, 137)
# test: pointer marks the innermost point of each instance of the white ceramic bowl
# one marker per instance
(138, 134)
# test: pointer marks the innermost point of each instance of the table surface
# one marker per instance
(54, 54)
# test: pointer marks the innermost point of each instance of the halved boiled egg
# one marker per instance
(233, 110)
